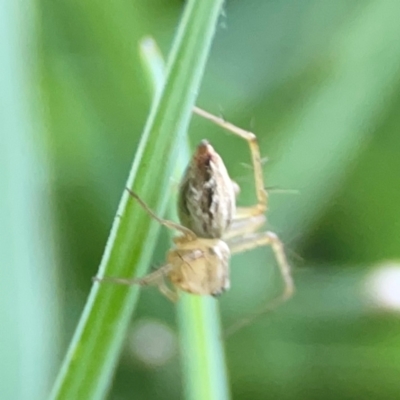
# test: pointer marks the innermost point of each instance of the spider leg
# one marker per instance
(171, 294)
(240, 227)
(190, 235)
(252, 241)
(154, 278)
(262, 197)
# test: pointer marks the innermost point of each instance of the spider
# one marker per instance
(211, 227)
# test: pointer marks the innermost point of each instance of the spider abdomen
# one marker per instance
(206, 196)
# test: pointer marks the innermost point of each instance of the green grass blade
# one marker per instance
(93, 354)
(202, 353)
(28, 299)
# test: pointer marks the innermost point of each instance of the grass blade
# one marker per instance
(93, 353)
(202, 352)
(28, 298)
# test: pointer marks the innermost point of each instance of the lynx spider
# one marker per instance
(212, 228)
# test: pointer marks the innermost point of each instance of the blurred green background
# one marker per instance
(317, 80)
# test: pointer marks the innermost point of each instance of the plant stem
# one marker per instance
(93, 354)
(202, 353)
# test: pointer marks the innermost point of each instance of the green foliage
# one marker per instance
(318, 81)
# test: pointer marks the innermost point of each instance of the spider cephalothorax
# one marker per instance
(200, 267)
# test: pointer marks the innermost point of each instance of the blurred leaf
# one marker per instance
(28, 302)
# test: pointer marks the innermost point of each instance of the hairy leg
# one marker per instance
(251, 139)
(252, 241)
(169, 224)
